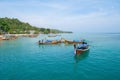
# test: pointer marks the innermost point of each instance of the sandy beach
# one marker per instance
(15, 36)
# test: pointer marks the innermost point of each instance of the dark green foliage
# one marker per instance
(14, 26)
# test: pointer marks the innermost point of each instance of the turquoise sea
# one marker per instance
(24, 59)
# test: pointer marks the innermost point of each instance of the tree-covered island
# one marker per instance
(15, 26)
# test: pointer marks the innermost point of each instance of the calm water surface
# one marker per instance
(24, 59)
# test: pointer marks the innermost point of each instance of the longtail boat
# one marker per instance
(79, 50)
(72, 42)
(51, 35)
(49, 42)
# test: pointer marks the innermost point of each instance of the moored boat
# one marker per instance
(72, 42)
(51, 35)
(79, 51)
(68, 41)
(81, 48)
(49, 42)
(54, 35)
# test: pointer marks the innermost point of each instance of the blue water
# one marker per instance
(24, 59)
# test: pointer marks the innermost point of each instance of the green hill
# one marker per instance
(15, 26)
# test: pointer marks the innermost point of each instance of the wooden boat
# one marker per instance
(67, 41)
(52, 35)
(52, 42)
(33, 35)
(79, 50)
(72, 42)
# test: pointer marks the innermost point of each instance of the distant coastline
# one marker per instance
(15, 26)
(11, 28)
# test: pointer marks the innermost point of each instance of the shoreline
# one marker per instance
(15, 36)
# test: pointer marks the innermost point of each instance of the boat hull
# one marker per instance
(79, 51)
(71, 42)
(53, 42)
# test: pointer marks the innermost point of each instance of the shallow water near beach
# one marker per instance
(24, 59)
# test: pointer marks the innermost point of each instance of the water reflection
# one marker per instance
(79, 57)
(41, 46)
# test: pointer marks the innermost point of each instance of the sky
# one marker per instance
(67, 15)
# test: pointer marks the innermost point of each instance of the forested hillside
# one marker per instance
(15, 26)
